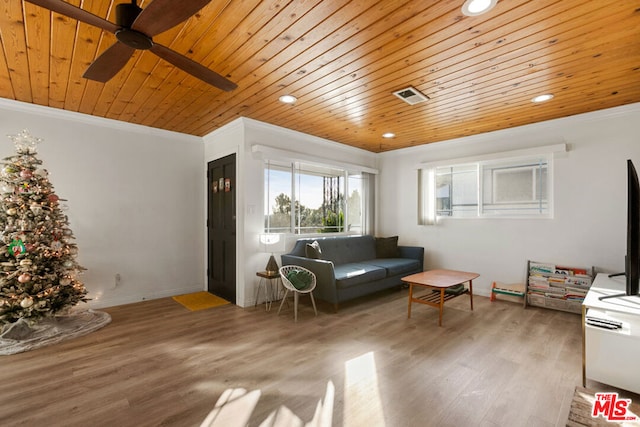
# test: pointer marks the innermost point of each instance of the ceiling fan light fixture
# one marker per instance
(134, 39)
(477, 7)
(288, 99)
(542, 98)
(388, 135)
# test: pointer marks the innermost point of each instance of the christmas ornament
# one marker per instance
(12, 211)
(26, 303)
(52, 198)
(24, 278)
(25, 262)
(36, 209)
(26, 174)
(16, 247)
(56, 245)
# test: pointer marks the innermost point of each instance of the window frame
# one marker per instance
(427, 186)
(533, 163)
(497, 172)
(301, 168)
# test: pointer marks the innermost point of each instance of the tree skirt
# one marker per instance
(21, 336)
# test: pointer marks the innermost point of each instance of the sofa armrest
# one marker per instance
(325, 275)
(413, 252)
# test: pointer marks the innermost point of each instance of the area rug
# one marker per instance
(200, 301)
(582, 408)
(22, 336)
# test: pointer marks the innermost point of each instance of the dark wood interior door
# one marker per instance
(221, 227)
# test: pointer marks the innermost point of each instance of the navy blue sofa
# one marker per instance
(350, 267)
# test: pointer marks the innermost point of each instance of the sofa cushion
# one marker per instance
(312, 250)
(387, 247)
(357, 273)
(395, 266)
(340, 249)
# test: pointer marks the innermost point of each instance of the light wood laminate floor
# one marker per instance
(159, 364)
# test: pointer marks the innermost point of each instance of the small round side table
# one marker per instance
(270, 281)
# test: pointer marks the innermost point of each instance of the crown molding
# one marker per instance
(532, 129)
(58, 114)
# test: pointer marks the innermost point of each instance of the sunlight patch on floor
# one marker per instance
(362, 404)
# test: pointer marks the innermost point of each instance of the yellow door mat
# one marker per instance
(200, 300)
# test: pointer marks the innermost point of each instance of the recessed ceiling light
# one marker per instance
(542, 98)
(477, 7)
(288, 99)
(388, 135)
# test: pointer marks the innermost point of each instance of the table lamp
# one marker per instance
(272, 243)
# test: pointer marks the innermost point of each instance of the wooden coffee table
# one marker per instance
(439, 280)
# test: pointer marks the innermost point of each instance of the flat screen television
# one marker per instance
(632, 258)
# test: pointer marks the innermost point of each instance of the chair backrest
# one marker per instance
(286, 269)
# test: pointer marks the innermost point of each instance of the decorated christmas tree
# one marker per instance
(38, 268)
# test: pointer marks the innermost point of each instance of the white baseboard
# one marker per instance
(102, 302)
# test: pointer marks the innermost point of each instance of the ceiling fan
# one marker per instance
(134, 29)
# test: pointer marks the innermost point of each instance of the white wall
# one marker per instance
(589, 225)
(134, 195)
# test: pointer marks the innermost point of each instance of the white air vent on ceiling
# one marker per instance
(411, 95)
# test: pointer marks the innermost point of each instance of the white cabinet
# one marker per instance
(611, 356)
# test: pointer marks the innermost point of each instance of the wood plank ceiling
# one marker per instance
(342, 60)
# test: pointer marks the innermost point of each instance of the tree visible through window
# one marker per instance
(317, 195)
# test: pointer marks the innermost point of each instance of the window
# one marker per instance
(457, 190)
(357, 184)
(317, 194)
(514, 187)
(277, 201)
(319, 200)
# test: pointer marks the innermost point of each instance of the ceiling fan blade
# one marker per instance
(109, 63)
(161, 15)
(196, 70)
(74, 12)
